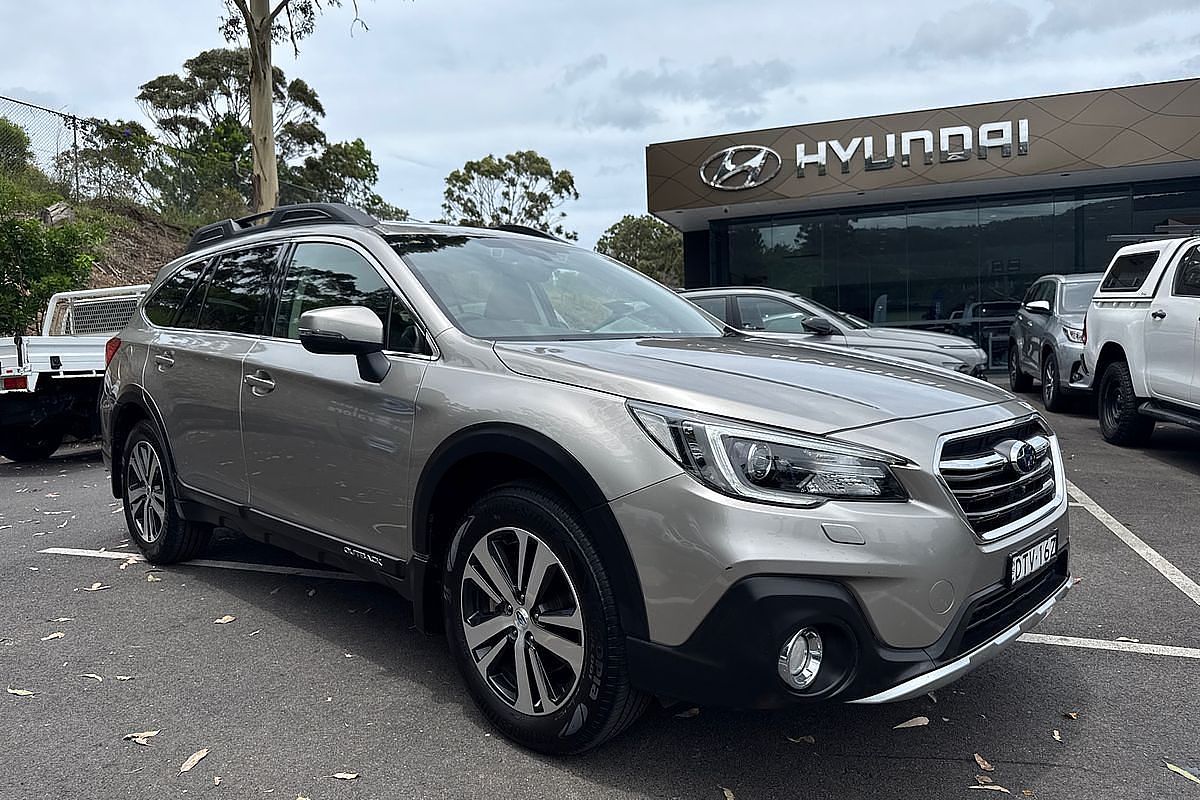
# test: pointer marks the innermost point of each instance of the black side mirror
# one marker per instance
(347, 330)
(819, 325)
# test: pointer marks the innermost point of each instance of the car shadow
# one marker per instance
(68, 457)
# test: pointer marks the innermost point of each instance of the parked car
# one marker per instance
(1046, 338)
(1142, 336)
(49, 384)
(597, 491)
(787, 315)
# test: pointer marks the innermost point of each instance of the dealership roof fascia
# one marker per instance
(1131, 133)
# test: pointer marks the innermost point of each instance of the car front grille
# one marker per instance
(988, 486)
(1004, 606)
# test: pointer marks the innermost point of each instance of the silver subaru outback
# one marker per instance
(597, 492)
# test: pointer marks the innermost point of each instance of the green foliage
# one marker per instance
(14, 147)
(36, 261)
(344, 171)
(648, 245)
(291, 20)
(519, 189)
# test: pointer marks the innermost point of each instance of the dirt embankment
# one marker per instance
(138, 243)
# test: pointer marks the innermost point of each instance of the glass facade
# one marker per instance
(943, 264)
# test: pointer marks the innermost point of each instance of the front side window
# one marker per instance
(1129, 272)
(237, 291)
(512, 288)
(769, 314)
(162, 306)
(714, 306)
(1187, 274)
(322, 275)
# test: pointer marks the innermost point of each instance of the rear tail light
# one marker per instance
(15, 383)
(110, 349)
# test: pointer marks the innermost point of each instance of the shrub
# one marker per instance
(36, 261)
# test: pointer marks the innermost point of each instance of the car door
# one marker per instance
(772, 315)
(1171, 330)
(325, 449)
(194, 373)
(1031, 327)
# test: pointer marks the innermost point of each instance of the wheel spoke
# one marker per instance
(496, 574)
(572, 620)
(564, 648)
(472, 574)
(543, 560)
(542, 681)
(136, 494)
(485, 663)
(523, 538)
(524, 701)
(482, 632)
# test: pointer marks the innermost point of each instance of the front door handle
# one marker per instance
(260, 382)
(1160, 314)
(164, 360)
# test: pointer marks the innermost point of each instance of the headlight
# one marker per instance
(1074, 334)
(767, 465)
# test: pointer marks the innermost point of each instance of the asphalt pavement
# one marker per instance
(315, 677)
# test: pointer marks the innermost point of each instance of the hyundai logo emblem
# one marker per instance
(1021, 455)
(742, 166)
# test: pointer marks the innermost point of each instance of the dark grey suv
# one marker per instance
(597, 492)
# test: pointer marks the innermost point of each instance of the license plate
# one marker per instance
(1030, 561)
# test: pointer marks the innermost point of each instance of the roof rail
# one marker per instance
(283, 216)
(525, 229)
(1134, 238)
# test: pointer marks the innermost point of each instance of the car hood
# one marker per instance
(807, 387)
(905, 337)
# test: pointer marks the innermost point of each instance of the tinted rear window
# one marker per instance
(165, 302)
(1129, 272)
(237, 291)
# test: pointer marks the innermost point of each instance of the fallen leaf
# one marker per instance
(915, 722)
(216, 780)
(152, 578)
(140, 738)
(225, 620)
(1127, 639)
(345, 776)
(21, 692)
(984, 779)
(932, 697)
(1057, 735)
(96, 587)
(301, 797)
(1071, 714)
(691, 712)
(93, 676)
(1182, 771)
(312, 592)
(122, 677)
(802, 740)
(63, 619)
(55, 635)
(728, 793)
(255, 632)
(983, 763)
(990, 787)
(1027, 792)
(34, 569)
(194, 759)
(128, 561)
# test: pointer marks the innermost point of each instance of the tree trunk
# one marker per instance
(265, 173)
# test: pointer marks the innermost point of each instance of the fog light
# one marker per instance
(800, 658)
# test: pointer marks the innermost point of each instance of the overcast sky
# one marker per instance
(435, 83)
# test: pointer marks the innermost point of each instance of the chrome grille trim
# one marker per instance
(989, 494)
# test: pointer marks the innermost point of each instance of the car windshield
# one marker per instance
(856, 323)
(1077, 296)
(513, 288)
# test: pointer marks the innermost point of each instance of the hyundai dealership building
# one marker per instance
(916, 218)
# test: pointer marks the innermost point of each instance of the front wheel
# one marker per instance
(532, 623)
(1017, 381)
(1120, 422)
(34, 443)
(1053, 396)
(148, 491)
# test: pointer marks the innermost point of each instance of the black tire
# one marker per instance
(35, 443)
(601, 702)
(1054, 397)
(1120, 422)
(176, 539)
(1017, 381)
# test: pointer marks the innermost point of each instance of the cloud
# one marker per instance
(574, 73)
(735, 91)
(983, 30)
(1068, 17)
(614, 111)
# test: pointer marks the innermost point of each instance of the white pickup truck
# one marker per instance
(1142, 340)
(50, 384)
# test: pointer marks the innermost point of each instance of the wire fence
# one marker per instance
(48, 136)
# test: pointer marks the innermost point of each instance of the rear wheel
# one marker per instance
(1053, 396)
(532, 623)
(34, 443)
(148, 490)
(1120, 422)
(1018, 381)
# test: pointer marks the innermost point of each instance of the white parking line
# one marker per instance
(1148, 553)
(203, 562)
(1105, 644)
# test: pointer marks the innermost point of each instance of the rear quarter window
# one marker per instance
(162, 306)
(1129, 272)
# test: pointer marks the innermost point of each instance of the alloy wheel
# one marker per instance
(522, 621)
(1049, 381)
(146, 492)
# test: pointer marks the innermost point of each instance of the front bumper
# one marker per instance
(731, 659)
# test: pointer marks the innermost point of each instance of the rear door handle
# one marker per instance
(164, 360)
(1160, 314)
(260, 382)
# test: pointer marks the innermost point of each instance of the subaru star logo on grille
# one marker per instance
(743, 166)
(1021, 455)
